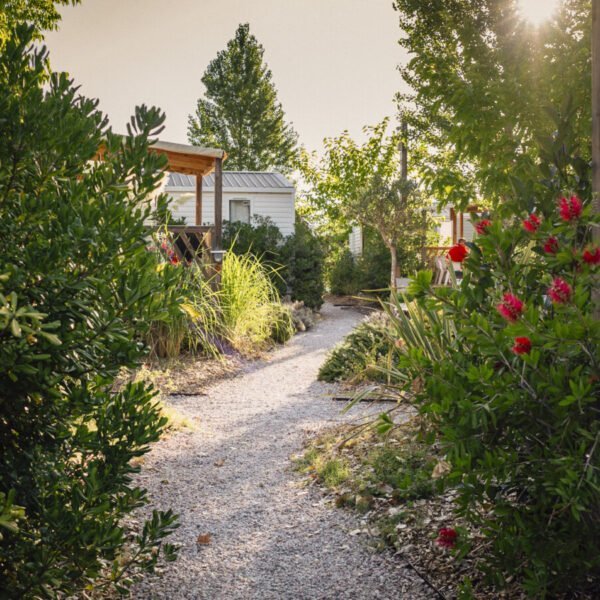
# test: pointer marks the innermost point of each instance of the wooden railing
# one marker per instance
(191, 242)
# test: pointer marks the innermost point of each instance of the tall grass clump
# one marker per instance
(250, 306)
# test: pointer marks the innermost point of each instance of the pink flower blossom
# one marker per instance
(570, 209)
(592, 256)
(447, 537)
(551, 245)
(482, 226)
(511, 307)
(531, 223)
(522, 345)
(458, 253)
(560, 291)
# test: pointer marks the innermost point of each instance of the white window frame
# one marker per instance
(248, 201)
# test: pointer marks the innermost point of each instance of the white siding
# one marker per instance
(278, 206)
(355, 241)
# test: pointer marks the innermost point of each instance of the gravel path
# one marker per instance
(271, 537)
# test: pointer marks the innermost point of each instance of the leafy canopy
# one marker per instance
(240, 111)
(482, 80)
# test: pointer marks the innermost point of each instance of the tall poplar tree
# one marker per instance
(240, 111)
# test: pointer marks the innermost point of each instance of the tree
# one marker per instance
(355, 183)
(41, 14)
(78, 291)
(487, 87)
(240, 112)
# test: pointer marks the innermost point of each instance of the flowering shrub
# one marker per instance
(512, 390)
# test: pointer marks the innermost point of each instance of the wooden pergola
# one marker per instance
(193, 160)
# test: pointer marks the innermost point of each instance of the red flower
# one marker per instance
(447, 537)
(482, 226)
(458, 253)
(174, 259)
(570, 209)
(560, 291)
(510, 307)
(531, 223)
(592, 256)
(522, 345)
(551, 245)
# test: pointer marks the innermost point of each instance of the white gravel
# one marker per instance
(271, 537)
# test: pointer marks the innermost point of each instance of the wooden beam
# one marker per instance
(218, 237)
(198, 200)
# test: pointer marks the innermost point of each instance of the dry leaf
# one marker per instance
(204, 539)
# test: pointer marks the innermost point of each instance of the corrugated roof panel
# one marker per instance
(233, 179)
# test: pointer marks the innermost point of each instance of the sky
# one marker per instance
(334, 62)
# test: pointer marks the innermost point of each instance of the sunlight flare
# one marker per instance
(537, 11)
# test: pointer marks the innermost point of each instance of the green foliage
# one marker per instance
(77, 293)
(342, 275)
(303, 258)
(482, 100)
(520, 430)
(40, 14)
(250, 309)
(361, 184)
(294, 263)
(361, 354)
(240, 112)
(261, 237)
(369, 272)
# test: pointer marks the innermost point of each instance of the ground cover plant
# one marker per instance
(77, 294)
(363, 353)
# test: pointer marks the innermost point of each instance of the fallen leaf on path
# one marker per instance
(204, 539)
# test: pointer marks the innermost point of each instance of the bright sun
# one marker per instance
(537, 11)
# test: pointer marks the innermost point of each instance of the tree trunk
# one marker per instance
(394, 256)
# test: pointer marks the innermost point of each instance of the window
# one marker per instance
(239, 211)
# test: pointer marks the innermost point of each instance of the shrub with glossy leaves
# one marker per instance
(77, 290)
(512, 391)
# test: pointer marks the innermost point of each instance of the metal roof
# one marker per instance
(232, 179)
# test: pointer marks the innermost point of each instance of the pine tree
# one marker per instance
(240, 112)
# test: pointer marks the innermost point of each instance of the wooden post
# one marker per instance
(218, 239)
(198, 200)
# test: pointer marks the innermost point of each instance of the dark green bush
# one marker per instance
(303, 258)
(261, 238)
(77, 291)
(342, 276)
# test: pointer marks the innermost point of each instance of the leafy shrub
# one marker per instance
(349, 276)
(512, 394)
(361, 353)
(77, 292)
(294, 263)
(343, 277)
(261, 237)
(303, 258)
